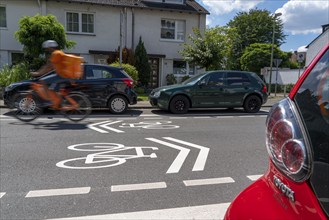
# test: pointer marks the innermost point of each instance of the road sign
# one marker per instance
(300, 57)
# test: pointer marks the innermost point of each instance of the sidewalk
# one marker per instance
(146, 104)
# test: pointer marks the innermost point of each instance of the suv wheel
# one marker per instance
(252, 104)
(179, 104)
(118, 104)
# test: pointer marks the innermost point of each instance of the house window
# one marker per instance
(183, 68)
(3, 19)
(79, 22)
(173, 30)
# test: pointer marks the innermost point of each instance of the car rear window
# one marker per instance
(312, 100)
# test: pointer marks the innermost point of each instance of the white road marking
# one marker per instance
(152, 118)
(110, 128)
(58, 192)
(92, 126)
(202, 157)
(213, 211)
(179, 160)
(178, 117)
(202, 117)
(200, 182)
(2, 194)
(246, 116)
(254, 177)
(141, 186)
(104, 124)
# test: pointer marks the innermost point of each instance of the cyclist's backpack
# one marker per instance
(67, 65)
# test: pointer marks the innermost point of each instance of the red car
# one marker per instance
(296, 184)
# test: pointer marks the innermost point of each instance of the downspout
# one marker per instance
(40, 9)
(133, 28)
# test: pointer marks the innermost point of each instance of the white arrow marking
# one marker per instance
(112, 129)
(179, 160)
(101, 124)
(202, 157)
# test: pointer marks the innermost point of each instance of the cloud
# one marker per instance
(220, 7)
(304, 17)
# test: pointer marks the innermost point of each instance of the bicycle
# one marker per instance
(30, 105)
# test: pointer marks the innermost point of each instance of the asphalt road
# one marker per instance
(146, 164)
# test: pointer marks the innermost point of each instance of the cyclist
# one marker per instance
(57, 61)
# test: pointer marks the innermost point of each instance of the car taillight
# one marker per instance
(129, 82)
(264, 89)
(287, 141)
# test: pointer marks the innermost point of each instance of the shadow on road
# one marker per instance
(59, 125)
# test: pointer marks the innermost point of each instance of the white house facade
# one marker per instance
(317, 44)
(99, 27)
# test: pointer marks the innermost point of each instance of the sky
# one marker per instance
(302, 19)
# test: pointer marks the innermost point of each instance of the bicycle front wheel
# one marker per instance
(27, 107)
(83, 109)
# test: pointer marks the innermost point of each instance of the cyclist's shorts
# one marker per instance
(69, 66)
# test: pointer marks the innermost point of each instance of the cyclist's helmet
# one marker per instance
(49, 44)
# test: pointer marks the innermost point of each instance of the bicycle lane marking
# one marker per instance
(179, 160)
(105, 154)
(104, 124)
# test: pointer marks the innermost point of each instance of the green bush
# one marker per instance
(15, 73)
(131, 70)
(185, 78)
(171, 79)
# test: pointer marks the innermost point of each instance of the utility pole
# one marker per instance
(271, 63)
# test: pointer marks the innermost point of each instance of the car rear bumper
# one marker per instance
(266, 200)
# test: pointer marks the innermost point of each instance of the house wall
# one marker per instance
(316, 46)
(14, 11)
(136, 22)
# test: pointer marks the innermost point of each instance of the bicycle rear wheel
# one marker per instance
(27, 107)
(83, 109)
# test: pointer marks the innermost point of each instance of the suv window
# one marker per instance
(312, 100)
(98, 72)
(216, 79)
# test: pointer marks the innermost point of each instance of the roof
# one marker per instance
(190, 6)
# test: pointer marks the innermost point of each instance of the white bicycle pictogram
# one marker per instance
(150, 125)
(105, 156)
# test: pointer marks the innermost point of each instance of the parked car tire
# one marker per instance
(252, 104)
(118, 104)
(179, 104)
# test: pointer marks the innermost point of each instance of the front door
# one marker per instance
(154, 78)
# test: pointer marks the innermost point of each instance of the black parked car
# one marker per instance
(105, 86)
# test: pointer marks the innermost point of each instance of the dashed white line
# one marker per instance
(2, 194)
(212, 181)
(201, 117)
(141, 186)
(254, 177)
(58, 192)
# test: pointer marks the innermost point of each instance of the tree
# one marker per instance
(258, 55)
(141, 63)
(255, 26)
(207, 51)
(33, 31)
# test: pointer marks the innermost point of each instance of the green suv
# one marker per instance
(213, 89)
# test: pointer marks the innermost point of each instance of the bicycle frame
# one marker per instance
(49, 95)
